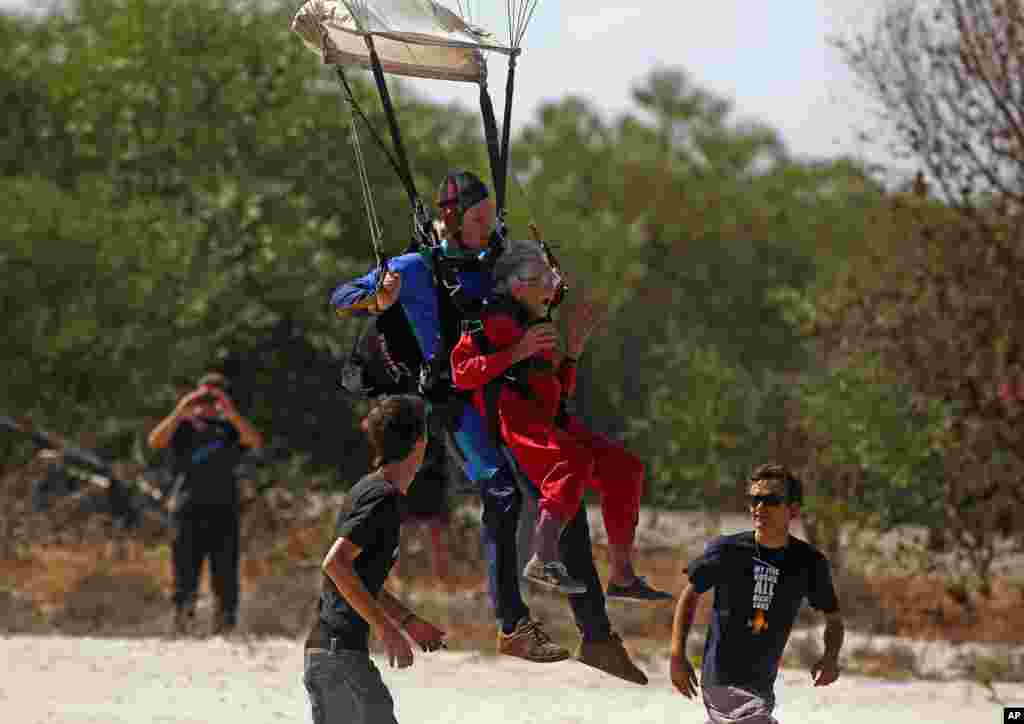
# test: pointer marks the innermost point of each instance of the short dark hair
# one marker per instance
(393, 426)
(773, 471)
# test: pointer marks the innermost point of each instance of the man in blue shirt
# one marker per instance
(760, 578)
(411, 281)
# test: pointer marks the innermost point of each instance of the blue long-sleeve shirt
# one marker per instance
(418, 298)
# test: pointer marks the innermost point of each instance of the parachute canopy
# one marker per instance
(419, 38)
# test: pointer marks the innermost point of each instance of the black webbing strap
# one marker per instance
(493, 147)
(515, 376)
(499, 191)
(403, 168)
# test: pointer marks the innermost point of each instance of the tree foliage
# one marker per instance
(936, 294)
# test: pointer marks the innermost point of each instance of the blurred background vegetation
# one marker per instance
(177, 193)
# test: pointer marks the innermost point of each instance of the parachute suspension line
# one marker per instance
(358, 111)
(519, 16)
(376, 233)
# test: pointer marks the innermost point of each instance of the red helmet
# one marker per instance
(462, 189)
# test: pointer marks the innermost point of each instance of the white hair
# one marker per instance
(516, 255)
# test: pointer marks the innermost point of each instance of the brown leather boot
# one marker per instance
(611, 657)
(529, 641)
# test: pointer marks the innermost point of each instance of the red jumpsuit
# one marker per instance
(561, 461)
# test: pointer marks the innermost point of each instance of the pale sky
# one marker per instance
(772, 59)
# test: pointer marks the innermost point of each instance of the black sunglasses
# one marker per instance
(771, 500)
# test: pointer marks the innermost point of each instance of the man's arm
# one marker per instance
(428, 636)
(339, 566)
(356, 297)
(364, 295)
(471, 369)
(248, 435)
(160, 437)
(683, 676)
(827, 669)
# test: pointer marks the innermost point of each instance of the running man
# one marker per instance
(760, 578)
(342, 681)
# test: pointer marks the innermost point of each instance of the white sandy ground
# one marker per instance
(110, 681)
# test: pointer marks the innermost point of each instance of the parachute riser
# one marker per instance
(389, 112)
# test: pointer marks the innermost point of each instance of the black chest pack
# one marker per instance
(385, 358)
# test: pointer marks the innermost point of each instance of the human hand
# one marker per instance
(390, 288)
(825, 671)
(684, 678)
(538, 338)
(584, 318)
(222, 401)
(426, 634)
(399, 651)
(190, 399)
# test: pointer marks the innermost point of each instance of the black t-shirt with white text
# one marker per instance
(371, 520)
(206, 452)
(758, 592)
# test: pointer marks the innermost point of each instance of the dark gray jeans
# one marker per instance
(345, 686)
(732, 705)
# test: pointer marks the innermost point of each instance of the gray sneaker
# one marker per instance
(552, 574)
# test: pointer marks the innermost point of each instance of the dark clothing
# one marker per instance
(201, 532)
(502, 503)
(386, 356)
(758, 592)
(206, 453)
(206, 511)
(371, 520)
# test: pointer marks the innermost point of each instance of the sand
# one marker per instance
(109, 681)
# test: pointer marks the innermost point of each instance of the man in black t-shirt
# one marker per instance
(342, 681)
(207, 436)
(760, 578)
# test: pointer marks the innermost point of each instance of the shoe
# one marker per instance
(611, 657)
(552, 574)
(529, 641)
(638, 590)
(183, 618)
(222, 625)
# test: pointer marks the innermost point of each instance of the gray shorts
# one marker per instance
(732, 705)
(345, 686)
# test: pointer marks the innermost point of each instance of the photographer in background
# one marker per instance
(207, 437)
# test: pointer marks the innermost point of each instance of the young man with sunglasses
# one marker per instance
(760, 578)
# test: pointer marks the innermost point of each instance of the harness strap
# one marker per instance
(516, 376)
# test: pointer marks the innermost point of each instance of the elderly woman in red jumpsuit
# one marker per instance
(520, 382)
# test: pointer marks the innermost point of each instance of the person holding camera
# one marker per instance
(207, 437)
